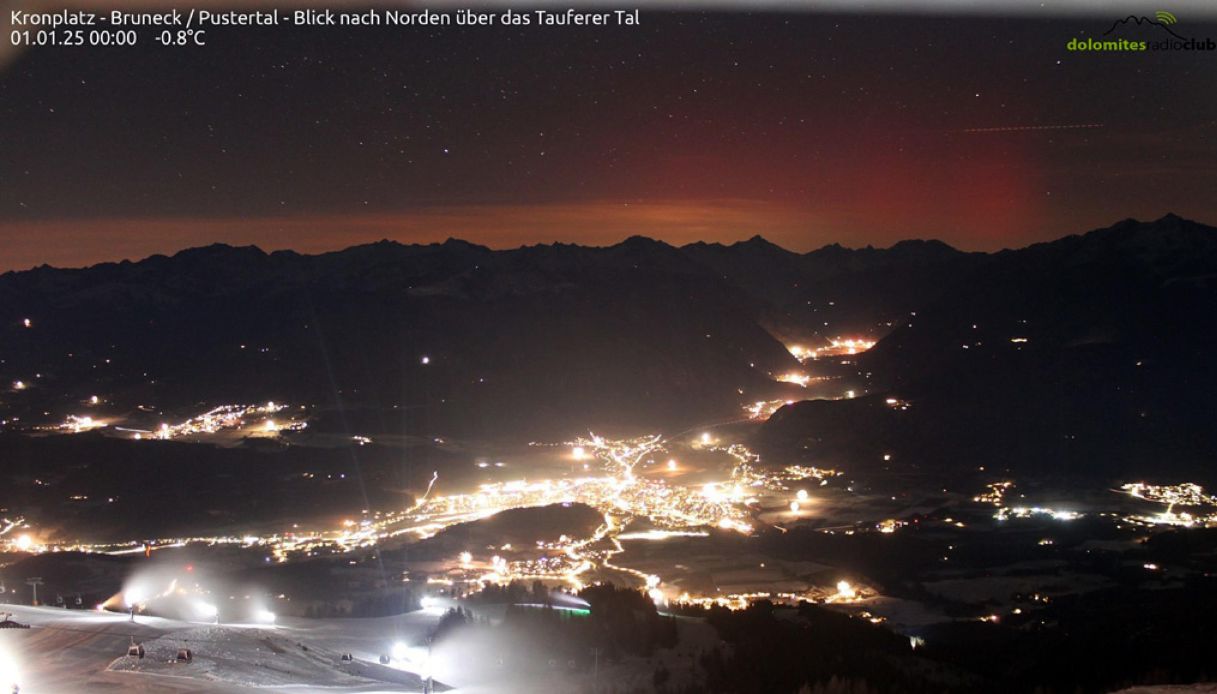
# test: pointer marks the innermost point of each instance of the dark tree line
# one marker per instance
(1086, 644)
(534, 634)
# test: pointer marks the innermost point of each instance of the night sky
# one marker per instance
(807, 129)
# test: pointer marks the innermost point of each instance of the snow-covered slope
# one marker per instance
(68, 651)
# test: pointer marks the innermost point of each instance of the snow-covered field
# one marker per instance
(68, 651)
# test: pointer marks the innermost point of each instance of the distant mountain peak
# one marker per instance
(759, 243)
(217, 249)
(756, 240)
(924, 243)
(1170, 222)
(453, 242)
(638, 240)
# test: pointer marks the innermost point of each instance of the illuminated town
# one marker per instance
(223, 418)
(764, 409)
(836, 347)
(1203, 507)
(632, 483)
(626, 483)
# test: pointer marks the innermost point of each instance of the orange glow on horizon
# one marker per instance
(78, 242)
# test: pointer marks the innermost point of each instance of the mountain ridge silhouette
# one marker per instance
(1139, 21)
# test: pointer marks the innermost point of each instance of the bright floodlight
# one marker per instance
(705, 438)
(425, 360)
(794, 507)
(845, 590)
(264, 617)
(400, 651)
(578, 452)
(801, 495)
(24, 543)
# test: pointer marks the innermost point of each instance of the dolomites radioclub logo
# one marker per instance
(1140, 33)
